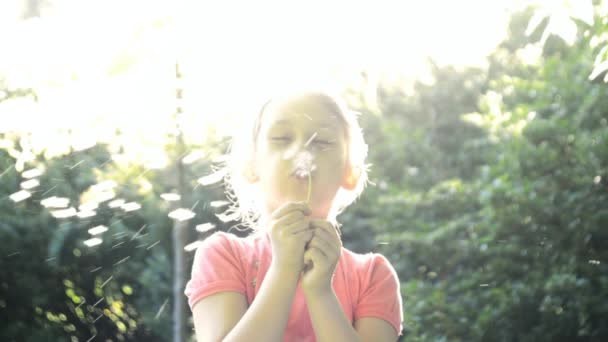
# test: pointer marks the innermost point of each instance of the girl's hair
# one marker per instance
(245, 199)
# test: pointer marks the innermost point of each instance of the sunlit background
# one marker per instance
(134, 75)
(108, 64)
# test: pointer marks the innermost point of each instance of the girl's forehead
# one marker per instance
(291, 113)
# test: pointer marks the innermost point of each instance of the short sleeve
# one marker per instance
(380, 295)
(216, 268)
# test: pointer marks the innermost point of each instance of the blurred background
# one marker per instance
(486, 121)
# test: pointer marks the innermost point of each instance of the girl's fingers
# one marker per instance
(329, 236)
(297, 227)
(325, 225)
(315, 255)
(302, 207)
(322, 245)
(290, 218)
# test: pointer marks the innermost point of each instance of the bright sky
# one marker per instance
(110, 63)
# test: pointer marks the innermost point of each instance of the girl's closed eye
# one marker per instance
(280, 139)
(322, 142)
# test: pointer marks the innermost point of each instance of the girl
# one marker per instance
(290, 175)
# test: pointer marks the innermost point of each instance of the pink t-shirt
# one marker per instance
(366, 284)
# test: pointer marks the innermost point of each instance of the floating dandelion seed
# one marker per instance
(95, 269)
(137, 233)
(98, 230)
(80, 162)
(101, 300)
(205, 227)
(181, 214)
(82, 301)
(69, 212)
(96, 319)
(105, 282)
(141, 236)
(93, 242)
(122, 260)
(170, 197)
(92, 337)
(28, 184)
(49, 190)
(162, 307)
(154, 244)
(20, 196)
(7, 170)
(597, 179)
(118, 244)
(195, 204)
(483, 285)
(310, 139)
(55, 202)
(594, 262)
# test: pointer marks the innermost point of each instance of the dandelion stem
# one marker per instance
(309, 188)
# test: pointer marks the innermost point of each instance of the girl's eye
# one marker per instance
(322, 142)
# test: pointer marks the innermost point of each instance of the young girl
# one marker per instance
(290, 175)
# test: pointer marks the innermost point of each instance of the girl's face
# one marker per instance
(296, 139)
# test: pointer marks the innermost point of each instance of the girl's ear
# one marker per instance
(249, 172)
(351, 177)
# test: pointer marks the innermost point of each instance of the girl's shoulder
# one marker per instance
(234, 244)
(368, 265)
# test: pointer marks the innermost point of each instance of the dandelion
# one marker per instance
(304, 168)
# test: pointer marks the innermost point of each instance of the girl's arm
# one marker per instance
(225, 316)
(267, 317)
(328, 319)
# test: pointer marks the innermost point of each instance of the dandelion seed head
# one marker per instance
(303, 164)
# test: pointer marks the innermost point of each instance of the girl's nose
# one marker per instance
(298, 146)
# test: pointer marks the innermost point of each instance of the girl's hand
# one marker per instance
(322, 255)
(290, 230)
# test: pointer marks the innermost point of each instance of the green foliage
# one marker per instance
(498, 232)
